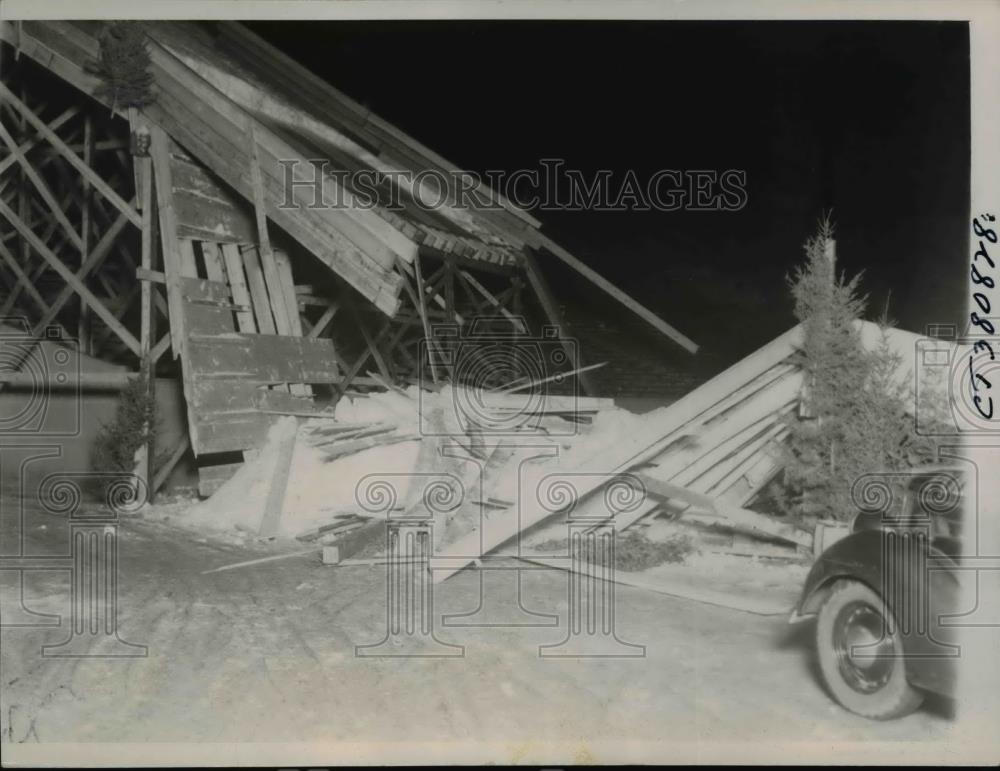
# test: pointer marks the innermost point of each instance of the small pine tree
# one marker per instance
(123, 66)
(133, 426)
(823, 439)
(854, 418)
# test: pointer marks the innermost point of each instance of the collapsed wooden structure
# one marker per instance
(168, 228)
(705, 457)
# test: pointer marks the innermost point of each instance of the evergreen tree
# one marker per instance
(123, 66)
(853, 418)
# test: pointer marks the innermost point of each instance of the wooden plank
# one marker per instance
(341, 109)
(660, 429)
(220, 432)
(276, 294)
(602, 283)
(739, 516)
(189, 266)
(487, 295)
(164, 472)
(287, 283)
(177, 109)
(215, 270)
(263, 358)
(357, 445)
(275, 505)
(84, 327)
(283, 266)
(324, 321)
(275, 290)
(422, 307)
(70, 278)
(238, 286)
(258, 291)
(172, 261)
(206, 208)
(222, 146)
(208, 309)
(221, 395)
(147, 315)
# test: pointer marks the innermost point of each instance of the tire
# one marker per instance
(860, 657)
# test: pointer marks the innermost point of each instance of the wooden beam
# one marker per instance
(147, 315)
(189, 266)
(471, 281)
(84, 332)
(160, 152)
(369, 341)
(164, 472)
(97, 256)
(43, 189)
(214, 267)
(602, 283)
(734, 514)
(274, 506)
(421, 302)
(11, 263)
(75, 161)
(70, 278)
(29, 145)
(238, 286)
(324, 321)
(258, 291)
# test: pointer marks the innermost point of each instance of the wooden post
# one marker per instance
(83, 323)
(159, 149)
(422, 307)
(146, 315)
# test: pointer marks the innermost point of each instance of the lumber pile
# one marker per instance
(514, 464)
(705, 458)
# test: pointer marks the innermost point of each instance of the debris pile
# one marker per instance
(501, 473)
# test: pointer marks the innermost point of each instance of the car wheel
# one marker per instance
(861, 654)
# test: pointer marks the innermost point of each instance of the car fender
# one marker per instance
(856, 557)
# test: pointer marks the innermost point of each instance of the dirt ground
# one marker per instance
(267, 654)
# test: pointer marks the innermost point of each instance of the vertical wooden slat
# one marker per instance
(146, 313)
(238, 286)
(267, 261)
(160, 151)
(285, 278)
(214, 270)
(422, 308)
(189, 266)
(258, 291)
(83, 326)
(287, 287)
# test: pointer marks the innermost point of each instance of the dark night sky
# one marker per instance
(869, 118)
